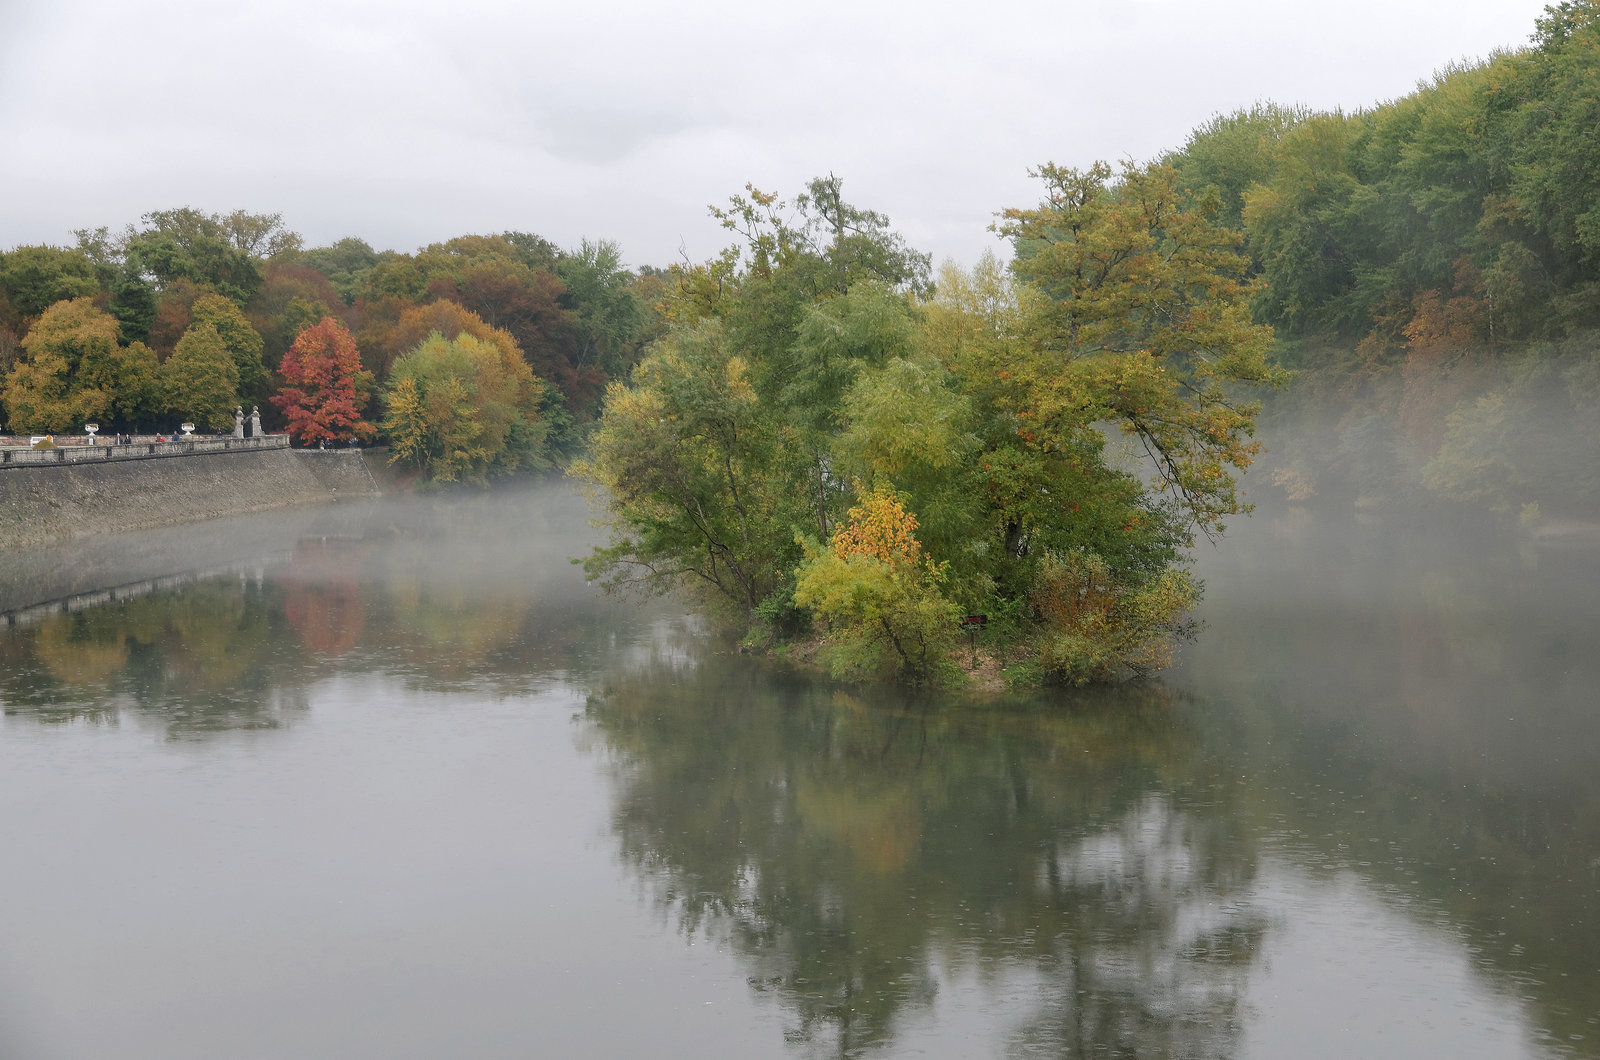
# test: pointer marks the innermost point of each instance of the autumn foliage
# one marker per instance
(324, 385)
(879, 527)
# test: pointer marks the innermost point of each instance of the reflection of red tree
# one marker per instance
(322, 595)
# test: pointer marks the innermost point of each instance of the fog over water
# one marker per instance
(389, 779)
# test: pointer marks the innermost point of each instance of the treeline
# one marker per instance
(189, 314)
(1432, 265)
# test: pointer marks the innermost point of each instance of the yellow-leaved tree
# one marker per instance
(465, 409)
(878, 595)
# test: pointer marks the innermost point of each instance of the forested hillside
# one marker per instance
(1432, 267)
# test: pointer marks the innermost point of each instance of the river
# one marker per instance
(389, 779)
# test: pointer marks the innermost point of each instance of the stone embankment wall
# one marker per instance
(54, 502)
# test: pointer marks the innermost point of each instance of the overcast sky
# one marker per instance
(406, 122)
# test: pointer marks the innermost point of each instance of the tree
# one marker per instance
(879, 594)
(174, 313)
(324, 386)
(510, 281)
(1144, 323)
(608, 317)
(720, 446)
(691, 465)
(344, 264)
(69, 372)
(1133, 319)
(386, 338)
(34, 278)
(243, 343)
(1545, 116)
(134, 303)
(857, 243)
(201, 378)
(527, 304)
(1233, 152)
(293, 297)
(465, 408)
(217, 250)
(140, 386)
(406, 424)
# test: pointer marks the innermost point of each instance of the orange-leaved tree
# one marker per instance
(879, 527)
(325, 388)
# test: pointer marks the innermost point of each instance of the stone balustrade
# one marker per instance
(79, 453)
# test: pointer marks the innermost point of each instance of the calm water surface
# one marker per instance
(391, 781)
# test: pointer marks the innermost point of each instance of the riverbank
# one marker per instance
(58, 502)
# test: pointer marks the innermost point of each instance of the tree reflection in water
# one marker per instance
(322, 597)
(444, 593)
(858, 856)
(203, 658)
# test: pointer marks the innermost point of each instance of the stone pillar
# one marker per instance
(255, 421)
(238, 421)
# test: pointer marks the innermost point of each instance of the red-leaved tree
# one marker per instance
(324, 388)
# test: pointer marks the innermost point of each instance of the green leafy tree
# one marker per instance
(857, 243)
(32, 279)
(1233, 152)
(1132, 323)
(607, 315)
(1144, 323)
(201, 378)
(220, 251)
(1545, 116)
(721, 445)
(693, 470)
(345, 264)
(134, 303)
(140, 387)
(243, 342)
(394, 277)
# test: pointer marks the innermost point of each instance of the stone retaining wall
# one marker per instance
(53, 502)
(342, 472)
